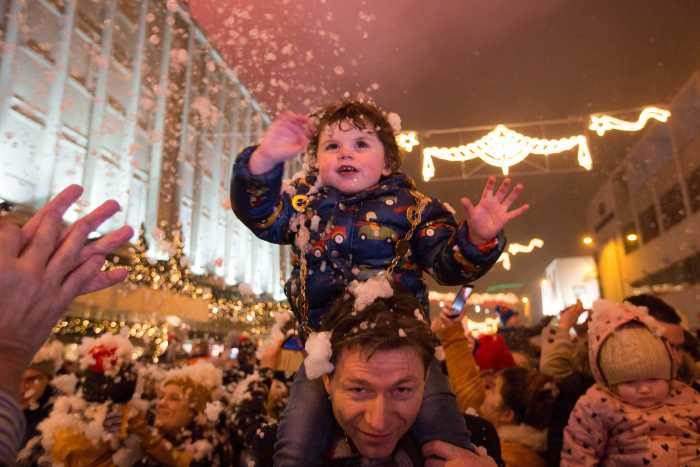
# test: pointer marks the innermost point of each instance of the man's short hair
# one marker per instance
(658, 309)
(385, 324)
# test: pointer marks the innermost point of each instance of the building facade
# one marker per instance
(646, 216)
(129, 99)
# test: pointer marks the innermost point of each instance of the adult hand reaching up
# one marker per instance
(491, 214)
(43, 267)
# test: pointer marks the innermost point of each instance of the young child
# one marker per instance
(637, 413)
(351, 216)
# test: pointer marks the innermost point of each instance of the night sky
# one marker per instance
(456, 63)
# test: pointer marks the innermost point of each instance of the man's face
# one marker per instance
(33, 385)
(349, 159)
(376, 401)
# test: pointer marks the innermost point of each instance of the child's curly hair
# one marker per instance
(362, 115)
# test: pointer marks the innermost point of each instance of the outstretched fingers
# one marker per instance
(10, 239)
(107, 244)
(103, 280)
(74, 283)
(468, 206)
(43, 243)
(488, 188)
(68, 256)
(510, 199)
(502, 191)
(61, 202)
(518, 211)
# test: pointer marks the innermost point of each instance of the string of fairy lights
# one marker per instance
(504, 148)
(226, 304)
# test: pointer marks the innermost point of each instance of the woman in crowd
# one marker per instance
(187, 429)
(516, 401)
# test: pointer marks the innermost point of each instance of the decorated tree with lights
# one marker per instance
(178, 268)
(140, 270)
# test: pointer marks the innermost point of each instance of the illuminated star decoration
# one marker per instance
(515, 248)
(407, 140)
(504, 148)
(603, 123)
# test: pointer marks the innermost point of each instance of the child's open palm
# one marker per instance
(287, 136)
(488, 217)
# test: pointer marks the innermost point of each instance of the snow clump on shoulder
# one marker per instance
(367, 292)
(319, 352)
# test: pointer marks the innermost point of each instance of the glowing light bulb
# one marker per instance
(587, 240)
(407, 140)
(632, 237)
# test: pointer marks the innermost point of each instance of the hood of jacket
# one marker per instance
(610, 316)
(527, 435)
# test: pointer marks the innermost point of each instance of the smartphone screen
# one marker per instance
(460, 300)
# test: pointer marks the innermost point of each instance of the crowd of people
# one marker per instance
(638, 403)
(360, 375)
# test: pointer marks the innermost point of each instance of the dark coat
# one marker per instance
(357, 234)
(571, 389)
(37, 415)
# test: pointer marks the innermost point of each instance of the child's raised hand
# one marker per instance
(488, 217)
(286, 137)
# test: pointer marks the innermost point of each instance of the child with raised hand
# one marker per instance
(637, 413)
(353, 216)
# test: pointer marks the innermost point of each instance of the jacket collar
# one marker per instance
(386, 186)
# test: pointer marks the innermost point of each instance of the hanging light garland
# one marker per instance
(516, 248)
(504, 147)
(603, 123)
(225, 303)
(151, 333)
(476, 298)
